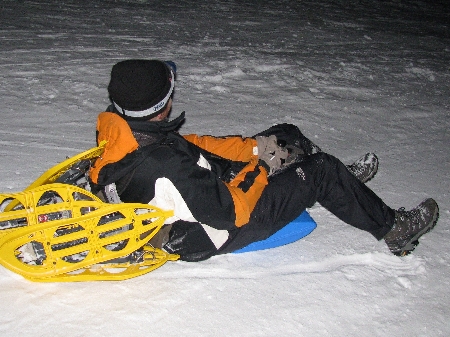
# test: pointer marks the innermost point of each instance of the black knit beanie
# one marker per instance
(139, 89)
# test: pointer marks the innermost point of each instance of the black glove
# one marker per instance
(271, 156)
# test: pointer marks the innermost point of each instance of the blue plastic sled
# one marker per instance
(292, 232)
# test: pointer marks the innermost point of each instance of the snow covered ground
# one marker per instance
(355, 76)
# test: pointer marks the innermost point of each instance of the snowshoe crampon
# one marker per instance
(61, 232)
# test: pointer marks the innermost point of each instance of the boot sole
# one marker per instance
(365, 161)
(374, 169)
(407, 248)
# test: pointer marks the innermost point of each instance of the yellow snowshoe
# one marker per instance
(56, 230)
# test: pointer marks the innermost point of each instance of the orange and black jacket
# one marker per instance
(215, 181)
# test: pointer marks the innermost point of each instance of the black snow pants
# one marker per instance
(314, 177)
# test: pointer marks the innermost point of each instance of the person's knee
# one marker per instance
(324, 162)
(289, 134)
(285, 132)
(288, 129)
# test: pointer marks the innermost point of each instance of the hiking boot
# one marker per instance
(365, 167)
(409, 226)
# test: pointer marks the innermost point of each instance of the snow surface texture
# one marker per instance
(355, 76)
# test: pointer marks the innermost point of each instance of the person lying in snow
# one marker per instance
(227, 192)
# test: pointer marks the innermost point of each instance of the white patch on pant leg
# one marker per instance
(202, 162)
(167, 197)
(217, 236)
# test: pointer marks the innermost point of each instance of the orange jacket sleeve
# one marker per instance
(232, 147)
(120, 141)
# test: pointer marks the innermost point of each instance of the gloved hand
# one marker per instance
(270, 155)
